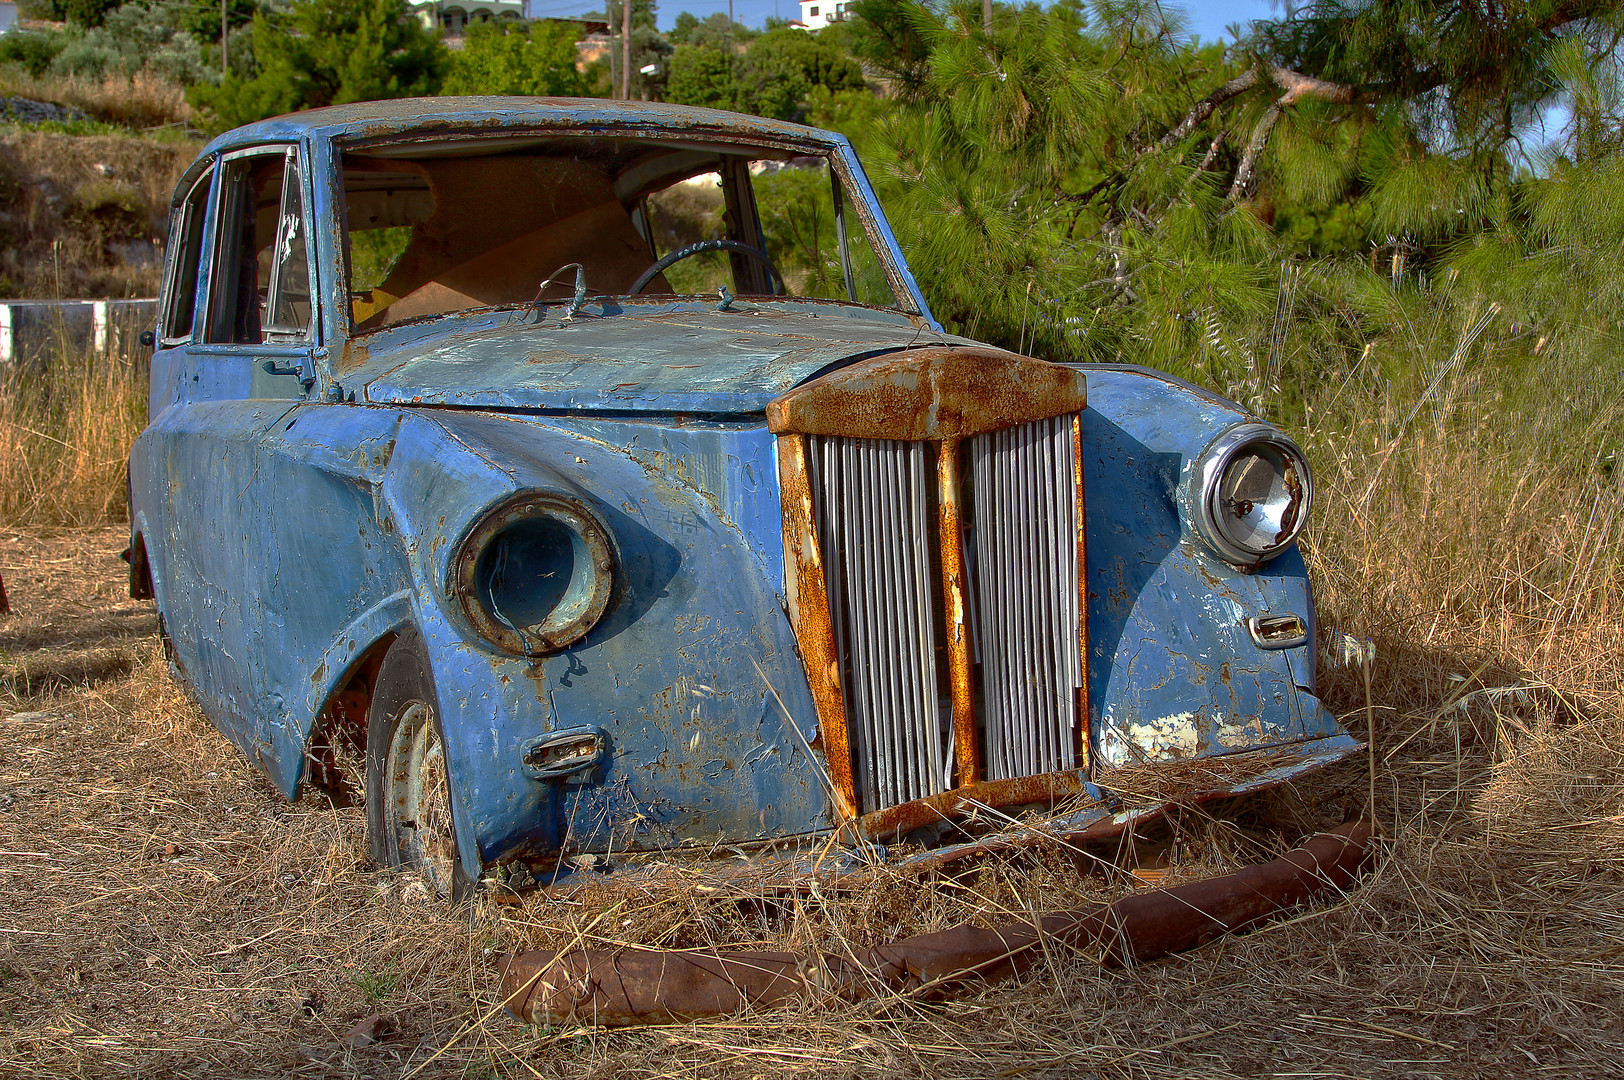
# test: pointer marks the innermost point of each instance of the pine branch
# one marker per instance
(1207, 106)
(1296, 87)
(1246, 172)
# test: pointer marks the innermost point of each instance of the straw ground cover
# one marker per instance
(164, 912)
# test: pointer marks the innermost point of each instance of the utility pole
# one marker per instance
(225, 67)
(626, 52)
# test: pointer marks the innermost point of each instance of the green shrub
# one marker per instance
(31, 49)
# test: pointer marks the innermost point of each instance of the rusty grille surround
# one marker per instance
(946, 396)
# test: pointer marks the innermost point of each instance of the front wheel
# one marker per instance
(409, 822)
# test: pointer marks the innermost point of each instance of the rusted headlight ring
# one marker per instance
(529, 523)
(1214, 510)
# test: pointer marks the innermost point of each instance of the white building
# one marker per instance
(816, 14)
(454, 16)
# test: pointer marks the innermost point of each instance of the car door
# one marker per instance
(235, 370)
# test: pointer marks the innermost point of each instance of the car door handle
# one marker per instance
(272, 367)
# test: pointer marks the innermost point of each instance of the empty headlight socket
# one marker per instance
(534, 573)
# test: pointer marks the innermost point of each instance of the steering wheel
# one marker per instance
(673, 257)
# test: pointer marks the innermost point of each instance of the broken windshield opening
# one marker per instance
(435, 229)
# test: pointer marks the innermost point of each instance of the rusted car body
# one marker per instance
(590, 550)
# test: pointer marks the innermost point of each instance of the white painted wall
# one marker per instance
(816, 14)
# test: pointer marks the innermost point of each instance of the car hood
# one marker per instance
(691, 361)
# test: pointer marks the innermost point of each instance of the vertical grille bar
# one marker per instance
(873, 518)
(1026, 577)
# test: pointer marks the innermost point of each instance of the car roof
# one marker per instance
(366, 120)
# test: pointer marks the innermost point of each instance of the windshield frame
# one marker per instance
(857, 201)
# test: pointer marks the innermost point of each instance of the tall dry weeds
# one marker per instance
(141, 101)
(65, 433)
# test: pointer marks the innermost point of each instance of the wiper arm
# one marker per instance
(580, 288)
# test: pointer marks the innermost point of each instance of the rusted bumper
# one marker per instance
(645, 986)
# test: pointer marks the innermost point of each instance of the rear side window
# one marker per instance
(261, 287)
(186, 249)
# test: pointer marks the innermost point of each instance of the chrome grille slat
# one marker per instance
(1025, 503)
(925, 724)
(1048, 594)
(872, 513)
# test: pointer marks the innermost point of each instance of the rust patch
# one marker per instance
(355, 354)
(643, 986)
(1083, 724)
(898, 821)
(937, 393)
(950, 534)
(807, 595)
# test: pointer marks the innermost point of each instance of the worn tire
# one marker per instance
(409, 822)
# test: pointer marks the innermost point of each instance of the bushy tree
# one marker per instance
(701, 75)
(529, 58)
(716, 30)
(328, 52)
(772, 77)
(159, 37)
(31, 49)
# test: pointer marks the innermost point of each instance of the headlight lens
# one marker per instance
(1254, 494)
(534, 574)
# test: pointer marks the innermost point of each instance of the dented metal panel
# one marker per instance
(1173, 669)
(646, 358)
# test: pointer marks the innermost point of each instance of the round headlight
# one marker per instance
(1253, 494)
(534, 574)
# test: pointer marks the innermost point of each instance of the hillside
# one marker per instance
(85, 215)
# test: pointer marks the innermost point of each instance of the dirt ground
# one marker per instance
(164, 912)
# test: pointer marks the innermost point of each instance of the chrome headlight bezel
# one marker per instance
(1286, 515)
(532, 522)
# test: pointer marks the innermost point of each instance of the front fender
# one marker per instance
(691, 674)
(1173, 670)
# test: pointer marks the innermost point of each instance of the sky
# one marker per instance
(1207, 20)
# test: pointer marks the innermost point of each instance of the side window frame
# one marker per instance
(185, 216)
(225, 260)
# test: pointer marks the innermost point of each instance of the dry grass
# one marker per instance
(140, 101)
(166, 913)
(84, 215)
(65, 435)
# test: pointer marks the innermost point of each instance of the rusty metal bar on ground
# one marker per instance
(644, 986)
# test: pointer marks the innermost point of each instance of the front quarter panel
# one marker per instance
(1173, 671)
(691, 674)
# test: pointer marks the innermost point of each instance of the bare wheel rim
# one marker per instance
(419, 800)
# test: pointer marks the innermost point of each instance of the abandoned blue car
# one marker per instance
(593, 478)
